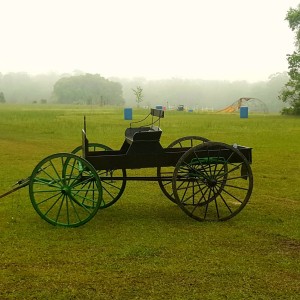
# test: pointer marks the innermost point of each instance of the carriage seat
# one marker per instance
(143, 134)
(148, 133)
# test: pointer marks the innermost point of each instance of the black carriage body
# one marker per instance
(122, 159)
(142, 149)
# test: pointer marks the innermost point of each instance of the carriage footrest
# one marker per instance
(208, 160)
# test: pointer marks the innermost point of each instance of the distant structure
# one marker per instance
(253, 103)
(180, 107)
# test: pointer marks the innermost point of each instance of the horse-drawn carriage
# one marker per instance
(208, 180)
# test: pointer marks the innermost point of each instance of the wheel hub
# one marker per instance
(212, 182)
(66, 190)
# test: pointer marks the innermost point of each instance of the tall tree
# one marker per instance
(138, 95)
(88, 89)
(291, 92)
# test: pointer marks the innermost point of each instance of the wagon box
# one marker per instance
(150, 155)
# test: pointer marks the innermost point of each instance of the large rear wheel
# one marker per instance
(212, 182)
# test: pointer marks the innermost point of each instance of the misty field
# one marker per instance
(144, 246)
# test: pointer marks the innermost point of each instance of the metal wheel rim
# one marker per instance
(65, 190)
(203, 191)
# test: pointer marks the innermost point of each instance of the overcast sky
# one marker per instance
(156, 39)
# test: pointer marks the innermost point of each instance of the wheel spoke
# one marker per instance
(54, 168)
(49, 198)
(78, 181)
(54, 180)
(67, 210)
(50, 208)
(166, 185)
(111, 192)
(84, 198)
(232, 196)
(72, 166)
(60, 207)
(76, 212)
(47, 191)
(221, 196)
(216, 203)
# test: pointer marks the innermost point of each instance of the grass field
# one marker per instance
(144, 246)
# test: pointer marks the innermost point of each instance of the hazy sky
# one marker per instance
(206, 39)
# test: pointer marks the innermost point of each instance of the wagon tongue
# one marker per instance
(18, 185)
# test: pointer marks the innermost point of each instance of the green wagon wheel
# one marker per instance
(184, 142)
(212, 182)
(92, 147)
(65, 190)
(112, 189)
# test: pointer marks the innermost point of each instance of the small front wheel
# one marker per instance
(65, 190)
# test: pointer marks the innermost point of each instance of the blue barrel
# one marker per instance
(127, 113)
(159, 107)
(243, 112)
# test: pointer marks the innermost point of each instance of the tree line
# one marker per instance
(60, 88)
(84, 88)
(211, 94)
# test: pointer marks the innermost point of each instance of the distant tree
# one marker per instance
(138, 95)
(22, 87)
(2, 98)
(291, 92)
(88, 89)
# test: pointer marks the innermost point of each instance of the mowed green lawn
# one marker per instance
(144, 246)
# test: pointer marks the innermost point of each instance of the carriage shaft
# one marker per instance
(21, 184)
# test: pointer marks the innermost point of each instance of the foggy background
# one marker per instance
(194, 52)
(193, 93)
